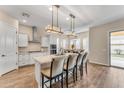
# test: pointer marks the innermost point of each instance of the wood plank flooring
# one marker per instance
(98, 77)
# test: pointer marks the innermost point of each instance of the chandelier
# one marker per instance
(54, 28)
(72, 27)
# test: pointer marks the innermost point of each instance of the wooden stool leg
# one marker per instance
(86, 67)
(42, 81)
(58, 78)
(50, 83)
(74, 75)
(62, 80)
(67, 78)
(82, 70)
(55, 79)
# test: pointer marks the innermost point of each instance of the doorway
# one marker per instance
(117, 48)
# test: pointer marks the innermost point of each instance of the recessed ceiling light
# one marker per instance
(50, 8)
(26, 15)
(67, 18)
(24, 21)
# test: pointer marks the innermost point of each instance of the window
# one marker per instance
(64, 44)
(76, 43)
(58, 46)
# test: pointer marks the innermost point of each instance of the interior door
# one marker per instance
(8, 48)
(2, 48)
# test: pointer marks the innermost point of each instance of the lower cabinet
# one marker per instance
(24, 59)
(27, 58)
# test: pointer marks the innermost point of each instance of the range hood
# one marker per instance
(35, 36)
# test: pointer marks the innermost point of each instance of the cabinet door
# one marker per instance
(53, 40)
(45, 42)
(24, 59)
(27, 59)
(23, 40)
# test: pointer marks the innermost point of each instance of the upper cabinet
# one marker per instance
(35, 35)
(23, 40)
(53, 39)
(26, 30)
(45, 41)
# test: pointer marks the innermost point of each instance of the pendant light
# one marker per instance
(72, 26)
(54, 28)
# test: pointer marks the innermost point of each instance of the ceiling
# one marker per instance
(86, 15)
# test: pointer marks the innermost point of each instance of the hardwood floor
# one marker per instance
(98, 77)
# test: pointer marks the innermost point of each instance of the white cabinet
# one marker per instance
(27, 58)
(23, 40)
(8, 56)
(53, 39)
(45, 41)
(24, 59)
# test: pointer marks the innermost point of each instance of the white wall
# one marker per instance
(99, 41)
(11, 21)
(83, 36)
(8, 19)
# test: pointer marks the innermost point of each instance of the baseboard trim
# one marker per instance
(118, 67)
(26, 65)
(94, 62)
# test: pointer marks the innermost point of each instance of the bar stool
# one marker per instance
(81, 63)
(55, 70)
(70, 66)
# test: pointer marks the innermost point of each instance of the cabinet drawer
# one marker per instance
(22, 63)
(24, 59)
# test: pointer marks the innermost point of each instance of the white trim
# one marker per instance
(95, 62)
(108, 45)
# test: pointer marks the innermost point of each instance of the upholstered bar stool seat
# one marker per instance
(46, 72)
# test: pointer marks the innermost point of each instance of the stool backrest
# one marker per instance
(72, 60)
(80, 58)
(85, 58)
(57, 65)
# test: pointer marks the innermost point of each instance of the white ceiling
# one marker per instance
(86, 15)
